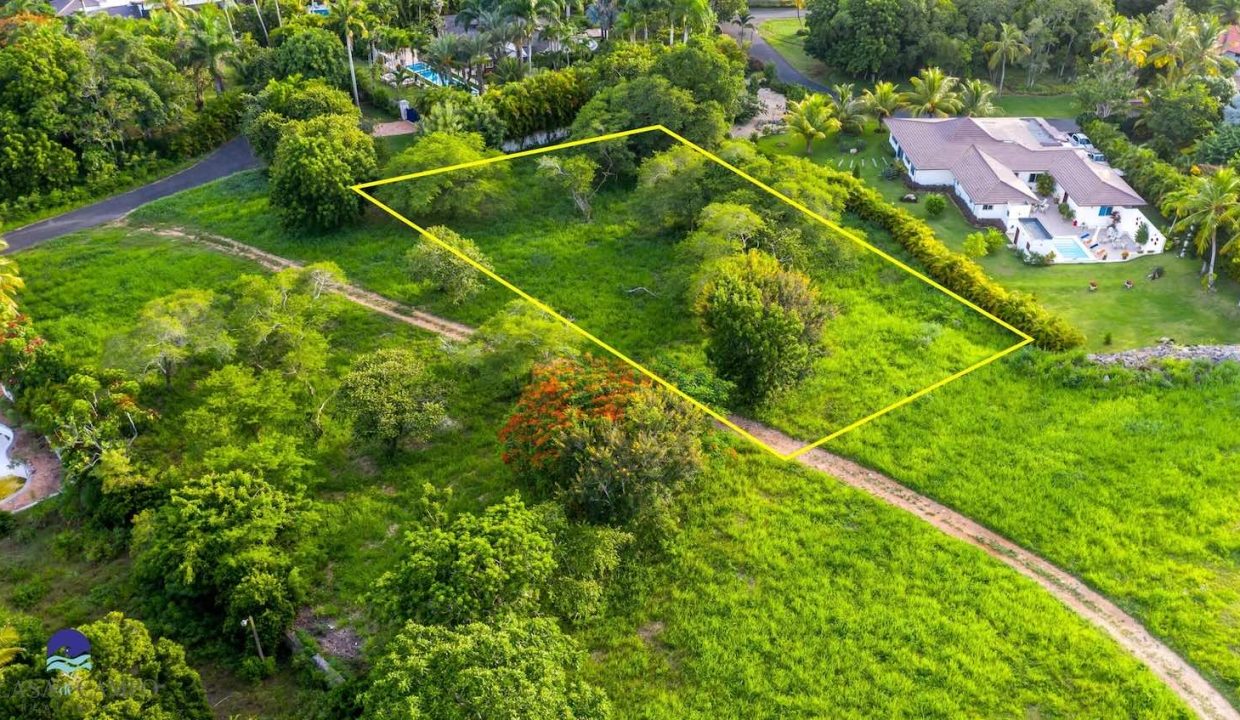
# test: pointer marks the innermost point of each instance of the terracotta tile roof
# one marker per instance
(1229, 40)
(987, 155)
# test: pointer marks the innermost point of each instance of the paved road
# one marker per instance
(762, 50)
(233, 156)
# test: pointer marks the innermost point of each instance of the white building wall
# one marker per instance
(932, 178)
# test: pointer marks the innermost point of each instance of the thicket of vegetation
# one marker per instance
(491, 600)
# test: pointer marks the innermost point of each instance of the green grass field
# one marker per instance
(893, 336)
(785, 595)
(1175, 306)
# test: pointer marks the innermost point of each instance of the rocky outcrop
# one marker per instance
(1166, 349)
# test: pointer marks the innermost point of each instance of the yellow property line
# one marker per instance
(361, 189)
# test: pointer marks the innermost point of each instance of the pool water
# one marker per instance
(1035, 229)
(424, 70)
(1069, 249)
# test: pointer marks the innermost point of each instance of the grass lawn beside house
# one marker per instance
(1175, 306)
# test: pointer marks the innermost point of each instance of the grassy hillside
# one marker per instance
(785, 593)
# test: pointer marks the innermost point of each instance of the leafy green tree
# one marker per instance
(312, 53)
(763, 324)
(174, 330)
(220, 552)
(1207, 208)
(316, 163)
(862, 38)
(278, 320)
(10, 283)
(353, 19)
(1219, 146)
(207, 45)
(391, 396)
(1177, 115)
(515, 668)
(574, 175)
(612, 448)
(702, 69)
(638, 103)
(511, 342)
(461, 193)
(133, 676)
(470, 569)
(1105, 90)
(430, 262)
(294, 98)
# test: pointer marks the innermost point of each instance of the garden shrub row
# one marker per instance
(960, 274)
(543, 102)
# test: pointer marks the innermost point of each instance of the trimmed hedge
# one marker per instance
(960, 274)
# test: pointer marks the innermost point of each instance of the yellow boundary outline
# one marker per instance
(361, 189)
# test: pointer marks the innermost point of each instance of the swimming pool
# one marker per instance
(1035, 229)
(426, 72)
(1069, 249)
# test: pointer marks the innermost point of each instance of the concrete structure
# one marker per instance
(992, 166)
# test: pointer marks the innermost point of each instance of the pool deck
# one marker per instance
(1098, 245)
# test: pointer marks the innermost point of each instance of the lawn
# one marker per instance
(892, 336)
(785, 595)
(1175, 306)
(781, 35)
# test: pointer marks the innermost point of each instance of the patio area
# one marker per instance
(1076, 243)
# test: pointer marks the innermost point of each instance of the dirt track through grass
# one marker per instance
(1181, 677)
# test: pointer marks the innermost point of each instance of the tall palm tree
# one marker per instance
(352, 19)
(1171, 43)
(977, 98)
(603, 13)
(208, 44)
(475, 50)
(1123, 40)
(811, 119)
(443, 53)
(1009, 46)
(1228, 11)
(882, 101)
(745, 22)
(693, 14)
(934, 94)
(847, 108)
(533, 12)
(10, 283)
(1208, 206)
(262, 23)
(10, 645)
(470, 12)
(175, 10)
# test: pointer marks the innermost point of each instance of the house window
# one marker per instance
(912, 170)
(1033, 177)
(988, 207)
(1104, 211)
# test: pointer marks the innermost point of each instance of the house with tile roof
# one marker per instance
(992, 166)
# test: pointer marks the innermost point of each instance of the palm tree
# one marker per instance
(470, 13)
(532, 12)
(847, 108)
(933, 94)
(208, 43)
(1010, 46)
(10, 283)
(1228, 11)
(351, 19)
(745, 21)
(1123, 40)
(442, 53)
(976, 98)
(175, 10)
(476, 52)
(10, 645)
(811, 119)
(262, 23)
(603, 13)
(1172, 40)
(695, 13)
(883, 101)
(1205, 207)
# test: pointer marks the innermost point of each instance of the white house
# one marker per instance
(992, 165)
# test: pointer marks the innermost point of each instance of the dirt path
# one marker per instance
(1173, 670)
(365, 298)
(44, 481)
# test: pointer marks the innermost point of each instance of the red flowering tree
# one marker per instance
(611, 445)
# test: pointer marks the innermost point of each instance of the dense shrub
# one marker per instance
(470, 569)
(316, 163)
(281, 101)
(1220, 146)
(1142, 167)
(935, 204)
(606, 442)
(547, 101)
(444, 270)
(390, 396)
(460, 193)
(217, 122)
(763, 324)
(313, 53)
